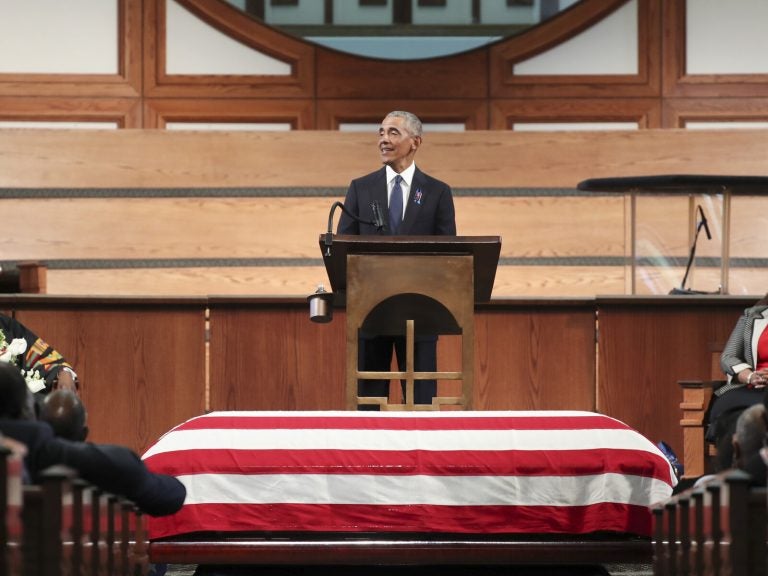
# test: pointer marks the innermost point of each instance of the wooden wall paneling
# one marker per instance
(270, 356)
(473, 159)
(543, 226)
(299, 113)
(179, 159)
(646, 83)
(506, 112)
(126, 83)
(286, 280)
(241, 27)
(566, 280)
(647, 345)
(159, 228)
(124, 112)
(472, 113)
(535, 356)
(344, 76)
(677, 111)
(262, 280)
(676, 80)
(141, 365)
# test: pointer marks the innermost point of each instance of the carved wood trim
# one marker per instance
(647, 82)
(677, 111)
(239, 26)
(346, 76)
(645, 111)
(678, 83)
(126, 83)
(472, 113)
(125, 112)
(298, 113)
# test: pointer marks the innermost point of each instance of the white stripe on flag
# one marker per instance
(428, 490)
(399, 440)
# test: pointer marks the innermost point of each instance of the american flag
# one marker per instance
(494, 472)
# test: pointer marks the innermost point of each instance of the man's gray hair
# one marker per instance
(412, 122)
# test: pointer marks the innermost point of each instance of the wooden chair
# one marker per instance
(697, 398)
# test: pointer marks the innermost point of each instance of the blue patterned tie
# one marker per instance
(396, 206)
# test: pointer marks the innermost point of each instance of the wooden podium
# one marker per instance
(410, 286)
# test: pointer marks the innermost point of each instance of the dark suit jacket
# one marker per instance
(114, 469)
(429, 210)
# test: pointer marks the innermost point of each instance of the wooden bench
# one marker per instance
(716, 528)
(10, 511)
(47, 523)
(71, 528)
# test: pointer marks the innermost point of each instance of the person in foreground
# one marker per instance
(748, 441)
(114, 469)
(416, 204)
(64, 411)
(745, 362)
(747, 446)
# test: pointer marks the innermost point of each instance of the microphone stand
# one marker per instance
(378, 222)
(683, 290)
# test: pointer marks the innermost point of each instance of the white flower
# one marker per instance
(35, 382)
(9, 352)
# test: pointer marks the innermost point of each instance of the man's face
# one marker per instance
(397, 146)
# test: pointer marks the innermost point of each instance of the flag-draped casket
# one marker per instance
(451, 472)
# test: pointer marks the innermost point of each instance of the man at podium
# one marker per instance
(410, 203)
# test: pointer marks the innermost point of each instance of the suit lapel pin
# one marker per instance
(417, 196)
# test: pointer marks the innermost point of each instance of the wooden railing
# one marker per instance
(718, 528)
(65, 527)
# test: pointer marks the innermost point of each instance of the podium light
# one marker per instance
(321, 305)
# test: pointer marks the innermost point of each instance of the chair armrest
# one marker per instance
(701, 384)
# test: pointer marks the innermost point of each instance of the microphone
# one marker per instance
(329, 233)
(377, 221)
(704, 222)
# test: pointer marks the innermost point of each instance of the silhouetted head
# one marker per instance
(14, 394)
(750, 434)
(64, 411)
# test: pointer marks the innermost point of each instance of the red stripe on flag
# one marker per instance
(621, 518)
(324, 422)
(413, 462)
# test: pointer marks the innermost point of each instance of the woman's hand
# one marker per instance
(756, 379)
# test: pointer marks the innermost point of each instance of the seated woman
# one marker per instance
(745, 361)
(44, 369)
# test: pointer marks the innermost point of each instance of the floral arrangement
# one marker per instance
(10, 352)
